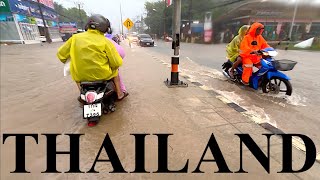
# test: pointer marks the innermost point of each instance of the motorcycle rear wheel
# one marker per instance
(275, 86)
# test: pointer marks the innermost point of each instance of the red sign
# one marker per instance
(48, 3)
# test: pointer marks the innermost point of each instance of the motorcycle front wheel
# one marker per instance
(277, 85)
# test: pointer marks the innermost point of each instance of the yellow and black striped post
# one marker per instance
(174, 81)
(174, 70)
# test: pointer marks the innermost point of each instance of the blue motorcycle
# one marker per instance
(268, 77)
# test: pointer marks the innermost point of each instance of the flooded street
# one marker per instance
(37, 99)
(298, 113)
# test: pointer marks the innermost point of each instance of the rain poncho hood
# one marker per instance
(234, 46)
(246, 46)
(93, 57)
(254, 27)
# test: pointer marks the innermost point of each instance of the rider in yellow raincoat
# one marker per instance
(93, 57)
(88, 62)
(233, 48)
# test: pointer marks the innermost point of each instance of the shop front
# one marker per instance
(23, 23)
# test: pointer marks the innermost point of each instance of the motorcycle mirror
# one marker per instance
(254, 43)
(273, 53)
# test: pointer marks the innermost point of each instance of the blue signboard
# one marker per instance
(21, 18)
(31, 9)
(6, 17)
(68, 24)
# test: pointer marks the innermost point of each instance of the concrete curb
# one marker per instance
(295, 142)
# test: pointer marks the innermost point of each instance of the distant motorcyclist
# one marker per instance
(233, 51)
(249, 50)
(93, 57)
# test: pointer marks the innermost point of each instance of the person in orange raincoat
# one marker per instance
(249, 47)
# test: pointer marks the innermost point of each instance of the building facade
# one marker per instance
(21, 21)
(276, 16)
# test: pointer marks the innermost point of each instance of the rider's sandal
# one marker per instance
(125, 94)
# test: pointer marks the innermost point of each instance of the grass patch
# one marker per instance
(314, 47)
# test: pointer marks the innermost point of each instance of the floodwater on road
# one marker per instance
(298, 113)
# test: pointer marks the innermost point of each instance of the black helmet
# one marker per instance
(98, 22)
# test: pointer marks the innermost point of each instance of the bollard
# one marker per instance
(175, 70)
(175, 82)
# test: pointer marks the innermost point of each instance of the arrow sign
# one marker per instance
(128, 24)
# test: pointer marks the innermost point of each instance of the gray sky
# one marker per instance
(110, 9)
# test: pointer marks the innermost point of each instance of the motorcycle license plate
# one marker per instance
(92, 110)
(148, 43)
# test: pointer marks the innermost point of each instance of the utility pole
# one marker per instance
(164, 19)
(177, 24)
(81, 21)
(121, 19)
(46, 31)
(175, 82)
(190, 17)
(293, 19)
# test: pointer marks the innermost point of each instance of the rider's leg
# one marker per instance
(122, 86)
(235, 65)
(120, 93)
(247, 70)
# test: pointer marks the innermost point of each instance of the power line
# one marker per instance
(220, 5)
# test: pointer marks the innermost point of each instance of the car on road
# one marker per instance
(133, 38)
(145, 40)
(67, 35)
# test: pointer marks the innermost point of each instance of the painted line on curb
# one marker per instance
(297, 143)
(236, 107)
(271, 128)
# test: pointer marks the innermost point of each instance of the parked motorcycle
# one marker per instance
(268, 77)
(98, 98)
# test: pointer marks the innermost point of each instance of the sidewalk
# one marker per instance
(190, 114)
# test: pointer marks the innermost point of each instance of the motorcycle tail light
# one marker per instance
(91, 97)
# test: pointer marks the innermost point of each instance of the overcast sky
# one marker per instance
(110, 9)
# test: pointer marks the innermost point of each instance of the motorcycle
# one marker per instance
(116, 39)
(97, 98)
(268, 77)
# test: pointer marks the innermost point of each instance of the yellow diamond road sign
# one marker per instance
(128, 24)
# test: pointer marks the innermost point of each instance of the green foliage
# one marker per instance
(71, 14)
(155, 19)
